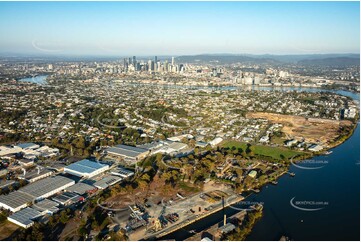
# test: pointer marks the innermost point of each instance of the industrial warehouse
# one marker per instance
(48, 191)
(34, 191)
(128, 153)
(86, 168)
(132, 154)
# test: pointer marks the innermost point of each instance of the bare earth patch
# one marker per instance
(156, 191)
(311, 129)
(6, 229)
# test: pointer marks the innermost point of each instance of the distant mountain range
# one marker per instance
(333, 60)
(323, 60)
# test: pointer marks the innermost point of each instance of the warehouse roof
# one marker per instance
(85, 166)
(227, 228)
(5, 183)
(27, 145)
(178, 145)
(46, 205)
(36, 173)
(25, 216)
(150, 146)
(42, 187)
(80, 188)
(107, 181)
(16, 199)
(66, 197)
(125, 150)
(120, 171)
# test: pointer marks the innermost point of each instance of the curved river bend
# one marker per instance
(336, 185)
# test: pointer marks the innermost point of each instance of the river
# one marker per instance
(37, 79)
(352, 95)
(335, 188)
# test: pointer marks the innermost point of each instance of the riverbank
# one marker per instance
(280, 218)
(213, 233)
(265, 187)
(192, 219)
(345, 137)
(245, 227)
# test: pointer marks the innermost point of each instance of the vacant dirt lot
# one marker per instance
(154, 193)
(6, 229)
(312, 129)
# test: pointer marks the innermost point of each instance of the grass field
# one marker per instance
(274, 152)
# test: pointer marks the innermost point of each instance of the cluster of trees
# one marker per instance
(245, 228)
(3, 217)
(7, 116)
(157, 112)
(82, 146)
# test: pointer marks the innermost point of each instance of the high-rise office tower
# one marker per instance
(135, 62)
(125, 65)
(149, 65)
(155, 59)
(172, 61)
(166, 66)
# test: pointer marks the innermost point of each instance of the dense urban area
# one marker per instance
(137, 148)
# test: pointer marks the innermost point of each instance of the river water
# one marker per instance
(354, 96)
(334, 190)
(37, 79)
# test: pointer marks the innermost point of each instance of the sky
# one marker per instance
(179, 28)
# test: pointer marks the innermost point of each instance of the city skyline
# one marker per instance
(179, 28)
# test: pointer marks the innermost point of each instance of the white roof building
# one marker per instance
(86, 168)
(4, 150)
(216, 141)
(24, 218)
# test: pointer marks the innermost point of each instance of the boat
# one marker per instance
(284, 238)
(274, 182)
(328, 152)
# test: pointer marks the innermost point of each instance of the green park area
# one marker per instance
(277, 153)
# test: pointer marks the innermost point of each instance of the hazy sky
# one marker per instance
(175, 28)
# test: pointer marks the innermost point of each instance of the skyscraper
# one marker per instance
(172, 61)
(125, 65)
(135, 63)
(155, 59)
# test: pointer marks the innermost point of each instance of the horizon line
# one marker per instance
(165, 55)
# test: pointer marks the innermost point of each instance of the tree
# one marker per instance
(94, 224)
(248, 149)
(167, 176)
(142, 185)
(64, 218)
(145, 177)
(80, 143)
